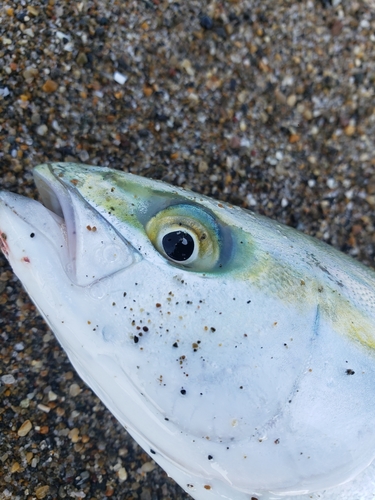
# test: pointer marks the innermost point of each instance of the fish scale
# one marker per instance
(246, 369)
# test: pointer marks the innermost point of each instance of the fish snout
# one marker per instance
(87, 246)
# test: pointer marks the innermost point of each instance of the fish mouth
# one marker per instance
(56, 198)
(49, 197)
(90, 247)
(94, 248)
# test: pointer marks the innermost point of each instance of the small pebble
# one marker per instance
(32, 10)
(187, 66)
(15, 468)
(148, 467)
(42, 129)
(284, 202)
(81, 59)
(25, 428)
(349, 130)
(331, 183)
(29, 32)
(294, 138)
(8, 379)
(206, 22)
(77, 494)
(202, 167)
(83, 156)
(122, 474)
(47, 337)
(74, 390)
(44, 408)
(52, 396)
(291, 100)
(50, 86)
(74, 435)
(119, 78)
(279, 155)
(41, 492)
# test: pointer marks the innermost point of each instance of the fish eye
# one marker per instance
(186, 235)
(179, 245)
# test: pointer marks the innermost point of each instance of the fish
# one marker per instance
(238, 352)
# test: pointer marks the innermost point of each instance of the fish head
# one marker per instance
(203, 328)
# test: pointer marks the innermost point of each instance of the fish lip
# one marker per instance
(94, 249)
(52, 193)
(16, 208)
(56, 198)
(48, 195)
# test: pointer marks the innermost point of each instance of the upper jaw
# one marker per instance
(56, 198)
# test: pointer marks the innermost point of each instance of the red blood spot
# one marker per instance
(3, 243)
(26, 259)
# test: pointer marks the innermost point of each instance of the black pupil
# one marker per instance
(178, 245)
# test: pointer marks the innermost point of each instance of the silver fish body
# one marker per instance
(238, 352)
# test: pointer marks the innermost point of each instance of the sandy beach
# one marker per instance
(266, 104)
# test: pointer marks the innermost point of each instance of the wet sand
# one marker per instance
(266, 104)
